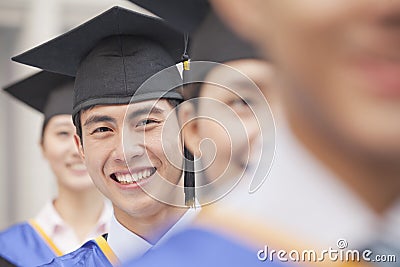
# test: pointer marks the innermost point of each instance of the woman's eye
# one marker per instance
(63, 133)
(145, 122)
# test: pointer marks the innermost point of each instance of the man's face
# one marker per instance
(125, 153)
(339, 62)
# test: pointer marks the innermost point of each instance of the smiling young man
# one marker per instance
(125, 135)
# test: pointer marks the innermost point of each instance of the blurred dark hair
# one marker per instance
(45, 122)
(191, 91)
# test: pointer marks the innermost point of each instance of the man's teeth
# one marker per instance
(134, 177)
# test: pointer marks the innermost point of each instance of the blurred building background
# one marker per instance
(26, 181)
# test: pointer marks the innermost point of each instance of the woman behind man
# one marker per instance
(78, 212)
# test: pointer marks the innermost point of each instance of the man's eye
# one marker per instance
(239, 102)
(101, 130)
(145, 122)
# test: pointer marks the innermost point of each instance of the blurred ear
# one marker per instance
(187, 117)
(78, 144)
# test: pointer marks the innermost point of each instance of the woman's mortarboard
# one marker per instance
(47, 92)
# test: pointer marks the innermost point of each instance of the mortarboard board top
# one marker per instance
(48, 93)
(64, 53)
(111, 55)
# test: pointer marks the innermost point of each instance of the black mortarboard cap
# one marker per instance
(49, 93)
(211, 39)
(183, 15)
(112, 55)
(214, 41)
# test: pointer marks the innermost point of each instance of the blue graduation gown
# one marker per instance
(198, 248)
(94, 253)
(25, 245)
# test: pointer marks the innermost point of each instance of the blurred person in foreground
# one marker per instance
(338, 65)
(79, 212)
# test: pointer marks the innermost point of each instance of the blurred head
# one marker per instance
(339, 65)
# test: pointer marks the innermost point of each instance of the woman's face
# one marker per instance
(59, 149)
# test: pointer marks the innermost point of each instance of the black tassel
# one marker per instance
(189, 177)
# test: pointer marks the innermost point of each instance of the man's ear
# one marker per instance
(187, 117)
(78, 144)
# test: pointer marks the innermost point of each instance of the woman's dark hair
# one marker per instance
(45, 122)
